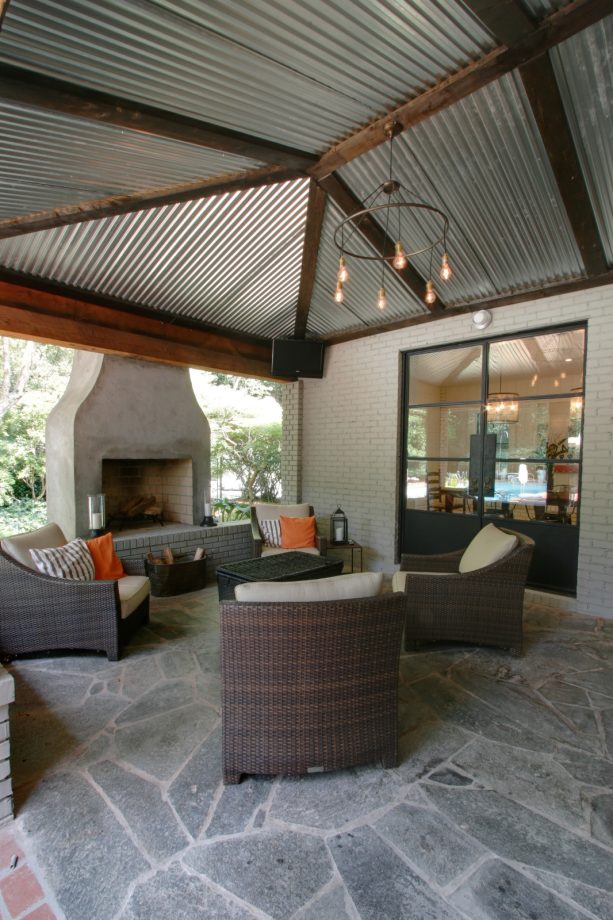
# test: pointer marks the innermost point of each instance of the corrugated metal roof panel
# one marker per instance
(482, 162)
(49, 160)
(541, 8)
(584, 71)
(231, 260)
(292, 71)
(359, 309)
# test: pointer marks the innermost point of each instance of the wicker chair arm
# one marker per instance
(134, 566)
(443, 562)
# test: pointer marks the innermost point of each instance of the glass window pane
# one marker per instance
(532, 491)
(538, 365)
(442, 432)
(432, 486)
(448, 375)
(548, 429)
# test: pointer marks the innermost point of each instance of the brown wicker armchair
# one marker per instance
(484, 607)
(310, 686)
(39, 613)
(262, 511)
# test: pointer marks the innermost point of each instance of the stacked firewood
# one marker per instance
(167, 557)
(140, 505)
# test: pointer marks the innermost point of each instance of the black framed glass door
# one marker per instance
(492, 433)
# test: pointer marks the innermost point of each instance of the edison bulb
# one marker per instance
(446, 271)
(382, 299)
(339, 294)
(430, 295)
(343, 273)
(400, 258)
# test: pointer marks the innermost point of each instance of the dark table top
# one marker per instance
(277, 565)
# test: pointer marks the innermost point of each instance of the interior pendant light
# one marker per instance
(502, 406)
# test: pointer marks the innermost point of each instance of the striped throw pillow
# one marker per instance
(73, 560)
(271, 531)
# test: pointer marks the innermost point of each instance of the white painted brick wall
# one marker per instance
(350, 431)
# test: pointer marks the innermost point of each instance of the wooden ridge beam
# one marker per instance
(3, 8)
(548, 110)
(565, 287)
(312, 235)
(140, 201)
(77, 322)
(372, 231)
(556, 28)
(27, 88)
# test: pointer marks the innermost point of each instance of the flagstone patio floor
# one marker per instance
(501, 806)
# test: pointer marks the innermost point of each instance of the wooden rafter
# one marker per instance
(3, 8)
(139, 201)
(372, 231)
(79, 322)
(548, 109)
(312, 234)
(27, 88)
(509, 22)
(559, 26)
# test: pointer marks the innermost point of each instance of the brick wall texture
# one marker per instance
(349, 431)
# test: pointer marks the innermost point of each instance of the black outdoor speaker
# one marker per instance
(297, 358)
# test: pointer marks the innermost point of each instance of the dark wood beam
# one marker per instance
(139, 201)
(506, 19)
(312, 235)
(566, 287)
(80, 323)
(559, 26)
(3, 8)
(548, 109)
(372, 231)
(27, 88)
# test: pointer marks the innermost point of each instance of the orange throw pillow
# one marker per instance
(106, 561)
(298, 533)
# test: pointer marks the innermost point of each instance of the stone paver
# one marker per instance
(500, 806)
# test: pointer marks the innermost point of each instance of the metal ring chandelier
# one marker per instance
(393, 250)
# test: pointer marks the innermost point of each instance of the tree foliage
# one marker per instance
(251, 452)
(33, 377)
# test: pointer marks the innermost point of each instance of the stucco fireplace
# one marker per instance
(124, 427)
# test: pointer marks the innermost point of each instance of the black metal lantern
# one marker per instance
(338, 527)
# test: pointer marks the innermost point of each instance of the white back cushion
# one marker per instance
(489, 546)
(339, 587)
(20, 545)
(269, 512)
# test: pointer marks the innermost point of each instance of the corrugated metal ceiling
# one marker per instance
(302, 74)
(48, 160)
(584, 72)
(231, 260)
(291, 72)
(482, 162)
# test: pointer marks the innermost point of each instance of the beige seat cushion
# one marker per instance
(19, 546)
(275, 550)
(133, 589)
(399, 578)
(489, 546)
(339, 587)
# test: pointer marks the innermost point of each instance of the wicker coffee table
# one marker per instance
(290, 566)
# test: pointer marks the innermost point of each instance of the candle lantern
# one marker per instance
(338, 527)
(96, 505)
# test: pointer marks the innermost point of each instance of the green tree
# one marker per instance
(251, 452)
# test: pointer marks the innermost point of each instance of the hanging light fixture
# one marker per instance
(387, 204)
(502, 406)
(576, 402)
